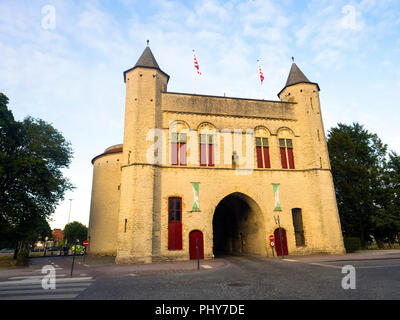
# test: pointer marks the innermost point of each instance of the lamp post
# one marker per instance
(69, 216)
(69, 213)
(45, 243)
(73, 258)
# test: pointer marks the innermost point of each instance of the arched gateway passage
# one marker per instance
(238, 226)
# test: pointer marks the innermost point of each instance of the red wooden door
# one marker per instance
(195, 236)
(278, 245)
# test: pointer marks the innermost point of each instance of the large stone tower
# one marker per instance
(139, 216)
(305, 94)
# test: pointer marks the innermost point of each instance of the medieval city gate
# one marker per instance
(238, 226)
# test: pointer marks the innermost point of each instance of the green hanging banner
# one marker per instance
(276, 197)
(196, 205)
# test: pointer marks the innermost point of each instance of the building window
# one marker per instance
(207, 150)
(286, 148)
(174, 223)
(262, 150)
(178, 149)
(298, 227)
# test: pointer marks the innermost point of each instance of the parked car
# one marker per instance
(7, 250)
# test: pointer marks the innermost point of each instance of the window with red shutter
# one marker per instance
(290, 153)
(174, 223)
(206, 150)
(178, 149)
(262, 151)
(286, 149)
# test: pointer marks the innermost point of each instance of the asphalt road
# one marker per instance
(238, 278)
(251, 278)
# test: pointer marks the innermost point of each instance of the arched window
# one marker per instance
(178, 137)
(207, 144)
(262, 147)
(285, 137)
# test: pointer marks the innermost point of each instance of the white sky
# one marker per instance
(67, 68)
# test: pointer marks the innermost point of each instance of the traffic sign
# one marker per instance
(272, 244)
(271, 238)
(85, 243)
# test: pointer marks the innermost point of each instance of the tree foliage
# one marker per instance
(367, 183)
(32, 156)
(75, 231)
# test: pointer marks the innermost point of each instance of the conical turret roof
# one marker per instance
(146, 60)
(296, 76)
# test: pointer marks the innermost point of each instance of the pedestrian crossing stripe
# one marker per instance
(31, 288)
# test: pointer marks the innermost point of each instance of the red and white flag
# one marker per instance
(261, 74)
(196, 64)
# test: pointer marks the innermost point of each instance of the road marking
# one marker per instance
(41, 297)
(38, 280)
(33, 277)
(132, 274)
(25, 291)
(326, 265)
(290, 260)
(206, 266)
(372, 267)
(31, 288)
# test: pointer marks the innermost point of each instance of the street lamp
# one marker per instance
(69, 213)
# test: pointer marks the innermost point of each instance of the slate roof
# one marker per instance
(146, 60)
(296, 76)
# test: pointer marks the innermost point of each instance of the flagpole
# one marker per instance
(261, 90)
(194, 77)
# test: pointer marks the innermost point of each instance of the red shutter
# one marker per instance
(291, 158)
(259, 157)
(203, 154)
(182, 154)
(174, 153)
(283, 158)
(174, 224)
(267, 163)
(210, 155)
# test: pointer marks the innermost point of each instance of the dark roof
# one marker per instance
(296, 76)
(146, 60)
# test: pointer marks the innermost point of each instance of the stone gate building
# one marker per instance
(217, 172)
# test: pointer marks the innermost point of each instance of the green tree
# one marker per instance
(364, 183)
(75, 231)
(32, 155)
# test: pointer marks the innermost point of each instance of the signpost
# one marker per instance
(73, 259)
(272, 243)
(85, 244)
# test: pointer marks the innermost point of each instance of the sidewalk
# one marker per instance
(358, 255)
